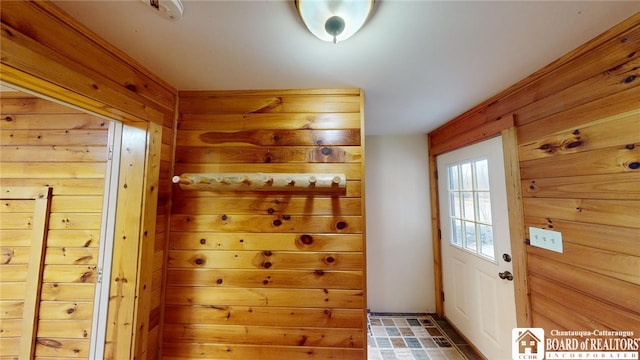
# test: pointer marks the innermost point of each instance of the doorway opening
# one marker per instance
(77, 155)
(479, 297)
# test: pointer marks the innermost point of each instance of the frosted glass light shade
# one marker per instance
(315, 13)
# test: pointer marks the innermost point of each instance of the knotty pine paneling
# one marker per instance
(44, 143)
(48, 52)
(255, 275)
(14, 272)
(578, 129)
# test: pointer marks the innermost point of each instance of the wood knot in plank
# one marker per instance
(329, 259)
(86, 276)
(83, 260)
(263, 259)
(574, 144)
(548, 148)
(7, 255)
(304, 239)
(303, 340)
(270, 105)
(49, 343)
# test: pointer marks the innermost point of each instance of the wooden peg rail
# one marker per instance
(276, 182)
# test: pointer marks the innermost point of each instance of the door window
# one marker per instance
(470, 204)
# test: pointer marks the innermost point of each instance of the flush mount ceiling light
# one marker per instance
(168, 9)
(334, 20)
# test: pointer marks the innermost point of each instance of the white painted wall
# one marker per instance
(399, 247)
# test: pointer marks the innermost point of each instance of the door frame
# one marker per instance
(505, 127)
(43, 66)
(478, 303)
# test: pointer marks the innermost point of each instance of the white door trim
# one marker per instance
(105, 249)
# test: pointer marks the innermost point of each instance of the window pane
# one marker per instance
(482, 174)
(453, 178)
(486, 241)
(467, 206)
(466, 176)
(455, 204)
(470, 236)
(456, 232)
(483, 202)
(470, 208)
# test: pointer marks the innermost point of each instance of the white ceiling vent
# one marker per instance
(168, 9)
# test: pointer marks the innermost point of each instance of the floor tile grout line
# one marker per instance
(448, 338)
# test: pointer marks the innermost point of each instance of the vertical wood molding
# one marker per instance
(40, 222)
(516, 227)
(34, 273)
(165, 254)
(435, 229)
(365, 306)
(128, 227)
(147, 243)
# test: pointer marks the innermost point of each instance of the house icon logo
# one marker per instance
(527, 344)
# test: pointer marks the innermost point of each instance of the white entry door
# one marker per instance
(476, 253)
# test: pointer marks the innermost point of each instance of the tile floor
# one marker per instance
(415, 337)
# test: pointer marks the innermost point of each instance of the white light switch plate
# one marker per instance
(546, 239)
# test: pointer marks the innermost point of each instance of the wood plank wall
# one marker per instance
(578, 129)
(46, 144)
(24, 225)
(48, 52)
(267, 275)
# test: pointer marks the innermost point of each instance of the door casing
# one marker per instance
(515, 210)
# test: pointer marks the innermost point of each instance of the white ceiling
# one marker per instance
(420, 63)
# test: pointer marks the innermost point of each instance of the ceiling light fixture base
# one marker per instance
(334, 20)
